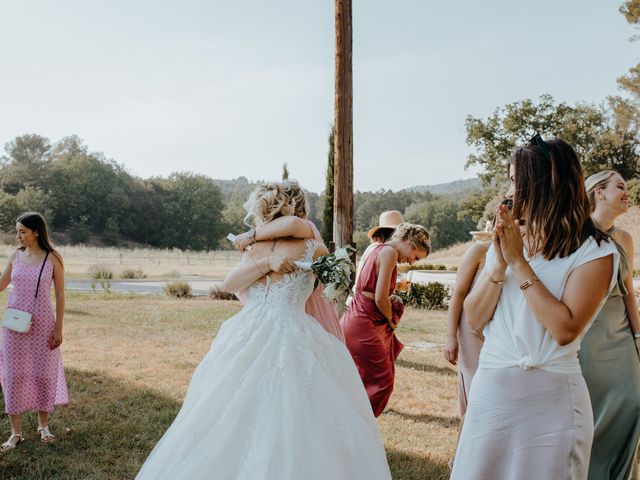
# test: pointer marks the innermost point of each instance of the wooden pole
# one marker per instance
(343, 123)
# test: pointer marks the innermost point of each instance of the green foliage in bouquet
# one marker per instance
(334, 271)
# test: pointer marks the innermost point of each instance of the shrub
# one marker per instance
(178, 289)
(427, 266)
(433, 295)
(130, 273)
(101, 275)
(217, 293)
(100, 272)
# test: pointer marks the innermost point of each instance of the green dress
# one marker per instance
(611, 369)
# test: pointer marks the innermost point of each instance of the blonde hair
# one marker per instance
(595, 181)
(267, 202)
(416, 234)
(294, 190)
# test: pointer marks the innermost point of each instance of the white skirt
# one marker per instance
(525, 424)
(276, 398)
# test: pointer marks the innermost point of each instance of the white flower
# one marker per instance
(330, 292)
(342, 253)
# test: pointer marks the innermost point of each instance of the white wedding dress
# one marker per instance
(276, 398)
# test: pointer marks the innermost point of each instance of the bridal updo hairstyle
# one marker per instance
(268, 202)
(295, 192)
(416, 234)
(549, 193)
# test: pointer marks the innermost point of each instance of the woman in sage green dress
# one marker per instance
(609, 350)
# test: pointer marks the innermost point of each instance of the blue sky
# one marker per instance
(228, 88)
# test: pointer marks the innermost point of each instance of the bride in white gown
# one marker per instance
(277, 397)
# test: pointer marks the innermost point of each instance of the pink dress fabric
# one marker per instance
(317, 305)
(31, 374)
(371, 341)
(469, 346)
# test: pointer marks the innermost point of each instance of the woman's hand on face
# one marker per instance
(281, 264)
(509, 237)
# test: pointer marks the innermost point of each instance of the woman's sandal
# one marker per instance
(45, 435)
(12, 443)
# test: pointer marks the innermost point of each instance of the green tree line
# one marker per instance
(89, 198)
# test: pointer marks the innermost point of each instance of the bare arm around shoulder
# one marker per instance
(251, 270)
(467, 269)
(287, 226)
(386, 262)
(631, 304)
(5, 278)
(58, 283)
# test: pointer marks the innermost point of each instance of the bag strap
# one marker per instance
(40, 274)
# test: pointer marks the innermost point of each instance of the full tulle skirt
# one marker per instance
(277, 397)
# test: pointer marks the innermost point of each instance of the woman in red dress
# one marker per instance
(374, 313)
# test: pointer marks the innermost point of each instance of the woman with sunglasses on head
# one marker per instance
(31, 373)
(529, 413)
(609, 350)
(374, 313)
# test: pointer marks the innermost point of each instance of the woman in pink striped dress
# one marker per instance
(31, 373)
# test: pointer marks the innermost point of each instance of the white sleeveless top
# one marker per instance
(514, 336)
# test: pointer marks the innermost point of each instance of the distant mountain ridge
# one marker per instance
(449, 187)
(243, 186)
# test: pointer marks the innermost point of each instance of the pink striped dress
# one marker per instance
(31, 374)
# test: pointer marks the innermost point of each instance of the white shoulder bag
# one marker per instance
(19, 320)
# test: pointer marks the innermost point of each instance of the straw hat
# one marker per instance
(388, 219)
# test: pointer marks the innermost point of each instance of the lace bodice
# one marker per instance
(292, 290)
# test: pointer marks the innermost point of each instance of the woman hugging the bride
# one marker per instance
(277, 397)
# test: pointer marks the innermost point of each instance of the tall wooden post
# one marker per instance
(343, 123)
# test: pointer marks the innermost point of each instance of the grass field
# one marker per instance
(129, 360)
(157, 264)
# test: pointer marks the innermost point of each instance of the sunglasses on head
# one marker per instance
(537, 141)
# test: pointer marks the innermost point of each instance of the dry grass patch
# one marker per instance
(157, 264)
(129, 360)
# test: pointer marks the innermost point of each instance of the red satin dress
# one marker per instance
(371, 341)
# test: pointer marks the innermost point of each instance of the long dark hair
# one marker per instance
(550, 195)
(36, 222)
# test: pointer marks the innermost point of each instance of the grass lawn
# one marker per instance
(129, 360)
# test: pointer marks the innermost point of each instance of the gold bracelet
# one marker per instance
(493, 280)
(528, 282)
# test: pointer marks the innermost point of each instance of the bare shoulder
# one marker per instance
(476, 252)
(14, 256)
(388, 254)
(623, 237)
(56, 258)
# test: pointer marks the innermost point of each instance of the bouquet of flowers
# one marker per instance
(334, 272)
